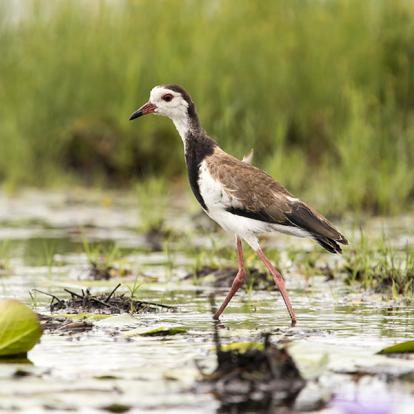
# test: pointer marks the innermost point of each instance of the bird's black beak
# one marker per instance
(148, 108)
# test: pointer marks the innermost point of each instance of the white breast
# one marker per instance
(218, 200)
(212, 190)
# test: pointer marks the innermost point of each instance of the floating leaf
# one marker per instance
(78, 316)
(159, 331)
(403, 347)
(242, 346)
(19, 328)
(117, 408)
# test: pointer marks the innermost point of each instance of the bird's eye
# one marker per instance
(167, 97)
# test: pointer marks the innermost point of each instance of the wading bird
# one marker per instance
(241, 198)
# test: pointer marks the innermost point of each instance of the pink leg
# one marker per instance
(277, 277)
(237, 282)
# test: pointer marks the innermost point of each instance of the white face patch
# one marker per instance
(172, 105)
(169, 103)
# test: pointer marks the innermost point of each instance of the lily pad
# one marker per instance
(19, 328)
(402, 347)
(159, 331)
(242, 346)
(81, 316)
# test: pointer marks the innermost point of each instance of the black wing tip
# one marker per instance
(343, 240)
(310, 220)
(330, 245)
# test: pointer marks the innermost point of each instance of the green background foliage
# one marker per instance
(322, 90)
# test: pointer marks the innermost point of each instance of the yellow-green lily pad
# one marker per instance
(159, 331)
(79, 316)
(20, 328)
(401, 348)
(242, 346)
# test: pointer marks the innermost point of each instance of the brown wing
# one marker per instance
(255, 194)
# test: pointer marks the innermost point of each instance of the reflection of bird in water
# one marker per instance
(241, 198)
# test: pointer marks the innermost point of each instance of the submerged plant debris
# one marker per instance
(255, 378)
(110, 304)
(63, 324)
(102, 271)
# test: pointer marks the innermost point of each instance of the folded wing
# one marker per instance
(250, 192)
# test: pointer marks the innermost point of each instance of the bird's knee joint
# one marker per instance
(239, 280)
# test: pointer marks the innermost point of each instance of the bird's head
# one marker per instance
(171, 101)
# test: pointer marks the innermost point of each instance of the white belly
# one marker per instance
(217, 201)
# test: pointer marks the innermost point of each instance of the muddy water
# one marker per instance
(334, 344)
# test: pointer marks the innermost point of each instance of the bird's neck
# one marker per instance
(197, 146)
(184, 127)
(188, 125)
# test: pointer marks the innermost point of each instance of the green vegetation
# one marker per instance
(401, 348)
(135, 287)
(378, 266)
(105, 260)
(104, 254)
(322, 90)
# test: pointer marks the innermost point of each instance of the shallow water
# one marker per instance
(339, 330)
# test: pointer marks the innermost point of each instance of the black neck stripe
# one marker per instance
(198, 147)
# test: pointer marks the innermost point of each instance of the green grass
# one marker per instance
(104, 254)
(378, 266)
(105, 259)
(323, 90)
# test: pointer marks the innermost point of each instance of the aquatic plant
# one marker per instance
(19, 328)
(378, 266)
(105, 260)
(136, 286)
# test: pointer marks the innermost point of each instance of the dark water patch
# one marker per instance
(157, 235)
(224, 276)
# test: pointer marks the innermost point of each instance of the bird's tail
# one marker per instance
(329, 244)
(318, 227)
